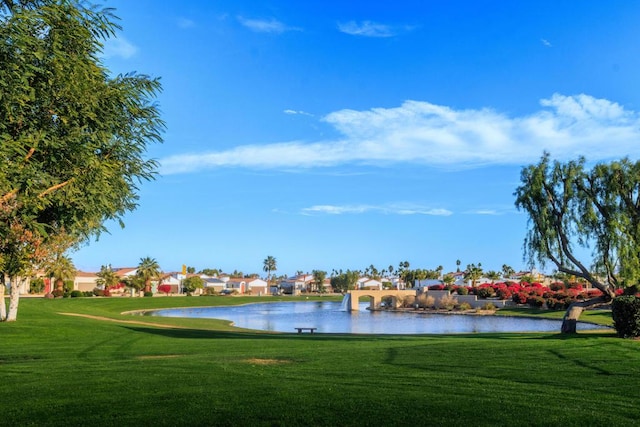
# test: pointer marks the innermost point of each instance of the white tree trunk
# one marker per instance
(14, 299)
(3, 304)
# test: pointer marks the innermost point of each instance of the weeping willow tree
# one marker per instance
(73, 138)
(572, 207)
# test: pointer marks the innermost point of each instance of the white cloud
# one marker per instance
(297, 112)
(423, 133)
(265, 25)
(384, 209)
(366, 29)
(118, 47)
(546, 42)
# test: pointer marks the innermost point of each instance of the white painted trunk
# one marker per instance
(14, 299)
(3, 304)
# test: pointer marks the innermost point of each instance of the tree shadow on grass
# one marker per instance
(208, 334)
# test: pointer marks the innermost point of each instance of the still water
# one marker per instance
(329, 317)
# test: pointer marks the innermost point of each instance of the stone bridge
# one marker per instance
(376, 297)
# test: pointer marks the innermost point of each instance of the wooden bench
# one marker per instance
(300, 330)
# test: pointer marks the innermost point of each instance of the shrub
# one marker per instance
(210, 291)
(465, 306)
(76, 294)
(488, 306)
(485, 291)
(504, 293)
(520, 298)
(48, 296)
(436, 288)
(98, 292)
(58, 293)
(556, 286)
(148, 294)
(36, 285)
(87, 294)
(426, 301)
(448, 302)
(462, 290)
(408, 301)
(625, 311)
(166, 289)
(535, 301)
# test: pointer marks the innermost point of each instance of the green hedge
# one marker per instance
(626, 315)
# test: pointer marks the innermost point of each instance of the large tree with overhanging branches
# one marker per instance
(73, 138)
(571, 208)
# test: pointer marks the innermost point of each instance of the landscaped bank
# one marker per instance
(67, 370)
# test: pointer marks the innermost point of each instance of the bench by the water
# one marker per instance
(300, 330)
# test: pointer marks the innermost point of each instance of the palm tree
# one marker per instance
(473, 273)
(493, 276)
(107, 277)
(270, 264)
(148, 270)
(60, 269)
(507, 271)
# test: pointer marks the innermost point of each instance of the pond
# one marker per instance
(330, 317)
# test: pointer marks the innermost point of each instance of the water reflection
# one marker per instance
(327, 317)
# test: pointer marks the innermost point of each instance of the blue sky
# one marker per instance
(333, 134)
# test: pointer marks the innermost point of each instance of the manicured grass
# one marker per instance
(63, 370)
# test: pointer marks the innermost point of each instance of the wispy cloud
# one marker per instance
(118, 47)
(297, 112)
(383, 209)
(266, 25)
(546, 42)
(366, 29)
(423, 133)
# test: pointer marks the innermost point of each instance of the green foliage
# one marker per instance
(148, 294)
(488, 306)
(107, 277)
(318, 279)
(190, 284)
(148, 270)
(36, 285)
(464, 306)
(72, 137)
(626, 315)
(473, 273)
(345, 281)
(76, 294)
(571, 206)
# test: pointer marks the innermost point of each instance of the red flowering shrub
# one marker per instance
(535, 301)
(504, 293)
(520, 298)
(164, 289)
(436, 288)
(556, 286)
(575, 285)
(593, 293)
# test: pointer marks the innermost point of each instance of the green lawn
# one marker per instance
(64, 370)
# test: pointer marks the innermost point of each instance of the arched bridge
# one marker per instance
(376, 297)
